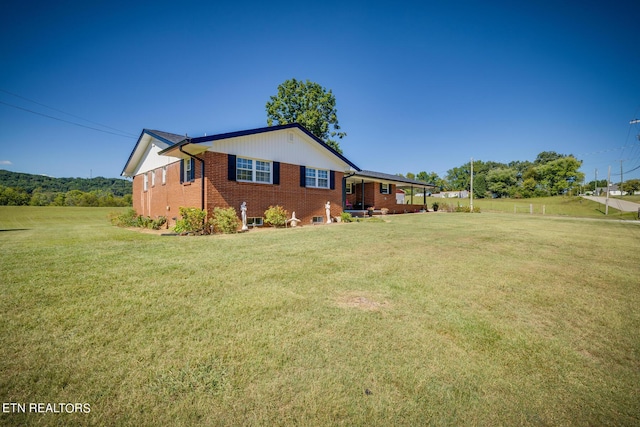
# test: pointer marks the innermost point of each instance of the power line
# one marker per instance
(60, 111)
(65, 121)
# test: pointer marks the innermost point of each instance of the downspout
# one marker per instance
(202, 174)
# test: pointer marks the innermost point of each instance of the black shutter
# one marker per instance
(232, 167)
(181, 171)
(332, 180)
(303, 176)
(276, 173)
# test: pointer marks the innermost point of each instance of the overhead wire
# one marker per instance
(119, 132)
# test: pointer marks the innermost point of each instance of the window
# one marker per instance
(164, 175)
(349, 188)
(153, 178)
(318, 220)
(187, 170)
(385, 188)
(317, 178)
(254, 222)
(145, 182)
(253, 170)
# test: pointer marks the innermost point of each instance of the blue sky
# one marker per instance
(419, 85)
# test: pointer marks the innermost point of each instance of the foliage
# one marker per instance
(560, 176)
(631, 186)
(466, 208)
(224, 220)
(131, 219)
(191, 221)
(275, 216)
(501, 180)
(308, 104)
(126, 219)
(435, 206)
(20, 189)
(346, 217)
(550, 174)
(47, 184)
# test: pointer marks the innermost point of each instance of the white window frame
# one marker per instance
(313, 178)
(187, 170)
(386, 188)
(145, 182)
(255, 167)
(153, 178)
(349, 188)
(164, 175)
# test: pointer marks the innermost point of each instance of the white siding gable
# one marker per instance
(286, 145)
(150, 160)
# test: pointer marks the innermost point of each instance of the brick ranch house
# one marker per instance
(282, 165)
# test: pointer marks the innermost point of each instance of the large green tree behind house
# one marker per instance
(308, 104)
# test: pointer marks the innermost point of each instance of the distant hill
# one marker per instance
(46, 184)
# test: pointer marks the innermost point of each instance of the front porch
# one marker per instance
(366, 189)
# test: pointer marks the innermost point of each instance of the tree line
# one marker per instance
(21, 189)
(550, 174)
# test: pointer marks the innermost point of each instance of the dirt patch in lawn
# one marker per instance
(361, 301)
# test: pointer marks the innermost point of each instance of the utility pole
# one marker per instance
(471, 194)
(595, 187)
(621, 180)
(606, 209)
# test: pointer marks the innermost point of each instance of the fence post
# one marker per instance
(531, 208)
(543, 209)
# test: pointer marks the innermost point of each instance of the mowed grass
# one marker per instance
(556, 206)
(424, 319)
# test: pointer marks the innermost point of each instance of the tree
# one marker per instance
(500, 181)
(560, 176)
(308, 104)
(548, 156)
(631, 186)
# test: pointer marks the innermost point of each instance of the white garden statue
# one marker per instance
(243, 211)
(294, 221)
(327, 209)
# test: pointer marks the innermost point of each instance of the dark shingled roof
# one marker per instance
(170, 138)
(389, 177)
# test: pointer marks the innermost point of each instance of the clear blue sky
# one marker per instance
(419, 85)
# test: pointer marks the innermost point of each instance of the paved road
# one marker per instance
(621, 205)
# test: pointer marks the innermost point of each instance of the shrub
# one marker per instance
(131, 219)
(127, 219)
(275, 216)
(346, 217)
(435, 206)
(224, 220)
(192, 220)
(158, 222)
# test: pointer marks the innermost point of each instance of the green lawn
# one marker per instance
(424, 319)
(557, 206)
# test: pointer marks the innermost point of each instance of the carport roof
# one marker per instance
(385, 177)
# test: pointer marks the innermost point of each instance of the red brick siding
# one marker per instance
(305, 202)
(373, 197)
(164, 200)
(221, 192)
